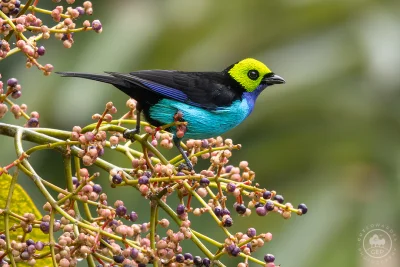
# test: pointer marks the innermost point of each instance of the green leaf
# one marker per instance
(21, 203)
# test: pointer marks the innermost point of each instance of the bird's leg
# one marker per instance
(177, 143)
(128, 134)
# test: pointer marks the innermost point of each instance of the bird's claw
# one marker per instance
(129, 134)
(188, 166)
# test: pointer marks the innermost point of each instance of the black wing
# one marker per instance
(208, 90)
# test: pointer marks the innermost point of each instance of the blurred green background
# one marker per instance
(330, 137)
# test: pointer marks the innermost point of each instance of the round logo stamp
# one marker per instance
(377, 243)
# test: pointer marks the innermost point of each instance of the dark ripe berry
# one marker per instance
(3, 236)
(120, 211)
(269, 206)
(148, 174)
(25, 255)
(180, 209)
(28, 229)
(32, 122)
(142, 265)
(180, 174)
(269, 258)
(15, 11)
(249, 246)
(303, 208)
(30, 242)
(230, 187)
(204, 182)
(100, 152)
(119, 258)
(228, 168)
(45, 227)
(179, 258)
(143, 180)
(261, 211)
(74, 180)
(251, 232)
(230, 248)
(117, 179)
(133, 216)
(134, 253)
(258, 204)
(228, 222)
(41, 50)
(17, 4)
(218, 211)
(39, 245)
(267, 195)
(16, 94)
(225, 212)
(64, 37)
(197, 261)
(206, 262)
(97, 188)
(188, 256)
(12, 82)
(235, 251)
(241, 209)
(113, 223)
(279, 198)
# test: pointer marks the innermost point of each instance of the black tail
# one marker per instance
(96, 77)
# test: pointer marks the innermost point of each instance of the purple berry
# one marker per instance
(217, 211)
(113, 223)
(230, 187)
(97, 188)
(148, 174)
(16, 94)
(204, 143)
(197, 261)
(30, 242)
(303, 208)
(235, 251)
(179, 258)
(258, 204)
(17, 4)
(25, 255)
(12, 82)
(279, 198)
(134, 253)
(180, 210)
(269, 258)
(117, 179)
(267, 195)
(228, 222)
(74, 180)
(225, 212)
(3, 236)
(251, 232)
(143, 179)
(241, 209)
(269, 206)
(45, 227)
(119, 258)
(33, 122)
(133, 216)
(261, 211)
(206, 262)
(204, 182)
(180, 174)
(120, 211)
(39, 245)
(228, 168)
(41, 50)
(81, 10)
(188, 256)
(96, 25)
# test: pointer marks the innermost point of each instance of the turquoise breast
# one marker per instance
(202, 123)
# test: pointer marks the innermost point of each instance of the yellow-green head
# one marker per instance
(250, 73)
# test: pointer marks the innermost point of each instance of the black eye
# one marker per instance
(253, 74)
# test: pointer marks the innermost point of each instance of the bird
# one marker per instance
(211, 103)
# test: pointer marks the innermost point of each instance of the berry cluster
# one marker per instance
(23, 22)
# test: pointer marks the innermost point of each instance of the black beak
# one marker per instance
(272, 78)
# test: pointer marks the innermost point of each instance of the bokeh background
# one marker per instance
(330, 137)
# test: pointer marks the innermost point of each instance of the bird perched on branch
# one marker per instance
(210, 102)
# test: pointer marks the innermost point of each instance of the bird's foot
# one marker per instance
(185, 166)
(129, 134)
